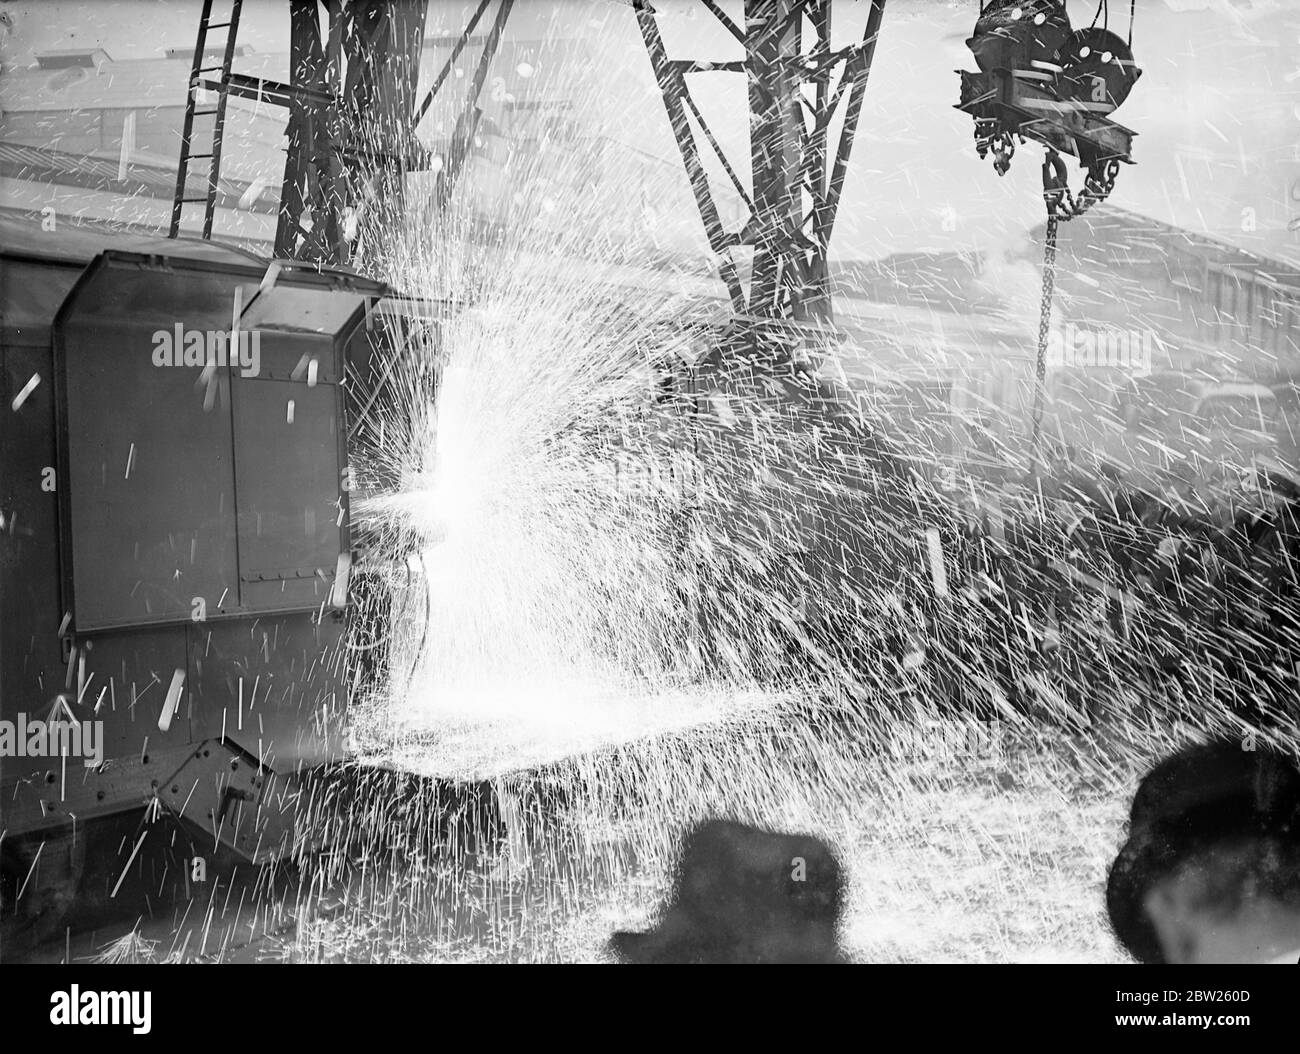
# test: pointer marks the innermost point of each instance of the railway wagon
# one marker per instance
(174, 542)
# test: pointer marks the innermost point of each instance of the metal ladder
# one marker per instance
(199, 83)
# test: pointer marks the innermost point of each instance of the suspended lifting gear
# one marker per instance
(1041, 79)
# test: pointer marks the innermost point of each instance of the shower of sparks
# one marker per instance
(607, 584)
(610, 585)
(131, 948)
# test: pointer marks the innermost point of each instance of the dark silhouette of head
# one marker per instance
(1211, 867)
(745, 895)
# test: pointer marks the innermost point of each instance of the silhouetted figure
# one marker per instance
(1211, 868)
(745, 895)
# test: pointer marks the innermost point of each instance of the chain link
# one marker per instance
(1061, 205)
(991, 137)
(1044, 324)
(1097, 185)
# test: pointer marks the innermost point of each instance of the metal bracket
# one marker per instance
(223, 791)
(1026, 109)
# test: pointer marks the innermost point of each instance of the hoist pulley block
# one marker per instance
(1041, 79)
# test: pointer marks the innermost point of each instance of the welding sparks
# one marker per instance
(614, 596)
(603, 589)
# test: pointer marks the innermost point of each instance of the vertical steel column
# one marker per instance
(672, 83)
(309, 225)
(771, 37)
(468, 119)
(798, 86)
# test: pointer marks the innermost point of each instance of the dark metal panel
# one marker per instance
(292, 322)
(124, 682)
(288, 466)
(298, 357)
(31, 292)
(273, 686)
(164, 521)
(197, 294)
(150, 516)
(121, 680)
(31, 664)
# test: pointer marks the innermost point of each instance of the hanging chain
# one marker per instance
(1044, 323)
(1097, 185)
(1061, 205)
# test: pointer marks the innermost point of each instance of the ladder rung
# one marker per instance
(217, 25)
(191, 157)
(204, 113)
(208, 69)
(191, 201)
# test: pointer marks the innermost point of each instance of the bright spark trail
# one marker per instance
(613, 584)
(617, 607)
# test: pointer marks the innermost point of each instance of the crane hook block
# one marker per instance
(1041, 79)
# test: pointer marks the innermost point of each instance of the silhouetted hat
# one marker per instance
(1204, 795)
(743, 894)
